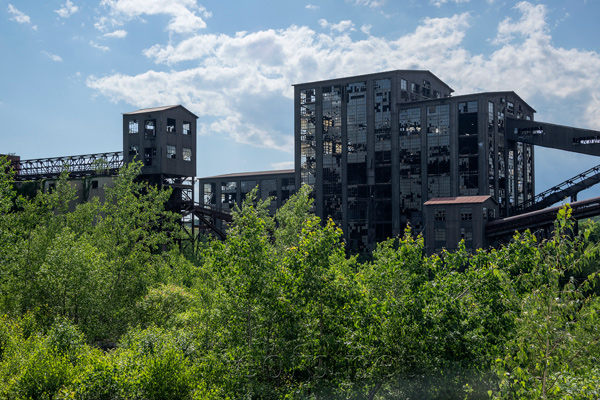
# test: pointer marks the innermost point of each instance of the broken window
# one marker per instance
(228, 194)
(150, 128)
(133, 126)
(440, 214)
(438, 154)
(171, 125)
(246, 187)
(466, 234)
(491, 151)
(149, 154)
(467, 107)
(268, 189)
(308, 142)
(171, 151)
(187, 154)
(134, 150)
(410, 121)
(466, 214)
(210, 191)
(415, 88)
(187, 128)
(332, 97)
(426, 88)
(510, 107)
(440, 234)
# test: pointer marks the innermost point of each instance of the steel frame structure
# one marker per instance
(568, 188)
(77, 166)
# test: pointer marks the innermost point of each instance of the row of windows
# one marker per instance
(150, 127)
(150, 152)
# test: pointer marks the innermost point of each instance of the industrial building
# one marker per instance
(381, 151)
(377, 147)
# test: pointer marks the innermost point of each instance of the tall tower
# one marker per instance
(164, 139)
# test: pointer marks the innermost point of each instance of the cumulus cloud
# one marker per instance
(116, 34)
(53, 57)
(236, 83)
(19, 17)
(312, 7)
(67, 10)
(99, 47)
(186, 15)
(531, 23)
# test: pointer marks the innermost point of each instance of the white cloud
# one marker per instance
(67, 10)
(339, 27)
(439, 3)
(19, 16)
(186, 15)
(283, 165)
(532, 23)
(116, 34)
(239, 85)
(369, 3)
(53, 57)
(99, 47)
(366, 28)
(312, 7)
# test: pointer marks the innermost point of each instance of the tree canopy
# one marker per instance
(101, 302)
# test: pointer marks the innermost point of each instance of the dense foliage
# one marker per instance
(100, 302)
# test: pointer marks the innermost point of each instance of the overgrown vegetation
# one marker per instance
(100, 303)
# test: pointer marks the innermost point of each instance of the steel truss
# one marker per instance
(568, 188)
(77, 166)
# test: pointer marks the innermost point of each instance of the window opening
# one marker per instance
(440, 214)
(171, 125)
(187, 154)
(149, 154)
(171, 151)
(150, 128)
(133, 126)
(187, 128)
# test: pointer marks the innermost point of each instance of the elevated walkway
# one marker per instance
(78, 166)
(568, 188)
(540, 219)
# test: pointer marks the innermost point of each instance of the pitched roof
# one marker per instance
(250, 174)
(457, 200)
(156, 109)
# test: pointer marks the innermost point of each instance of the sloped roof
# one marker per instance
(156, 109)
(250, 174)
(458, 200)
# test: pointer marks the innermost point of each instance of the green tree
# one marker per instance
(557, 329)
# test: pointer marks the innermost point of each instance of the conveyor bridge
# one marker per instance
(540, 219)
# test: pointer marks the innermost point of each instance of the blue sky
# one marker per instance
(69, 68)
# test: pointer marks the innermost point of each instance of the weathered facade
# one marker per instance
(224, 192)
(452, 219)
(376, 147)
(164, 139)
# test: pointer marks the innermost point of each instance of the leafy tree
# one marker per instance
(557, 334)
